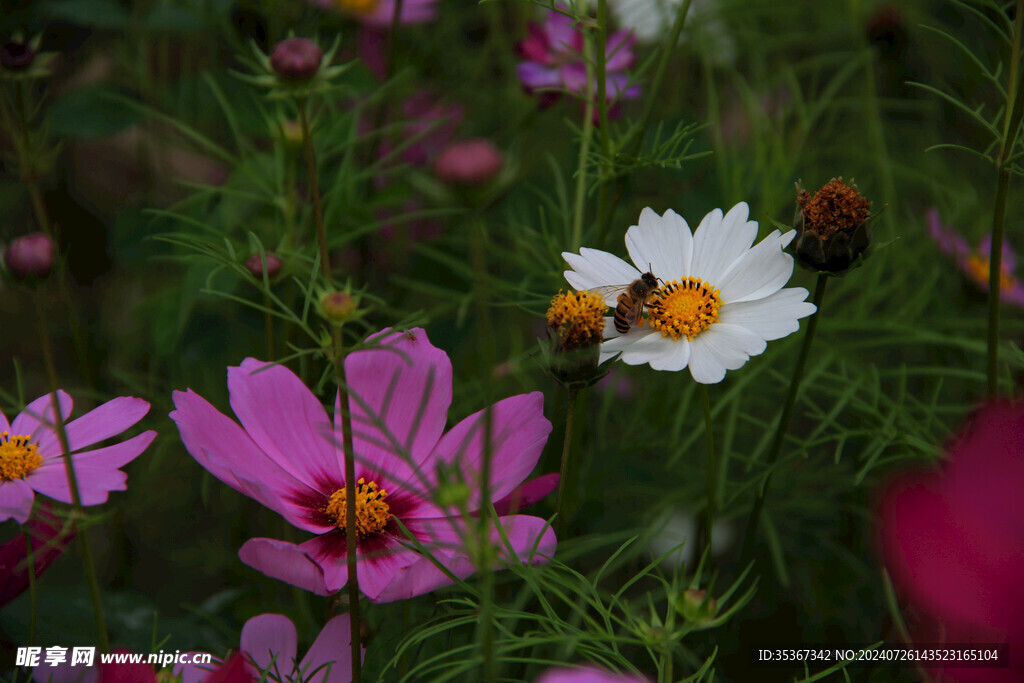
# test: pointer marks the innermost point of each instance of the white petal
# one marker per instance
(676, 359)
(761, 271)
(719, 241)
(646, 349)
(772, 317)
(595, 268)
(719, 348)
(662, 244)
(620, 342)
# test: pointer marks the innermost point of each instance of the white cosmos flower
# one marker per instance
(720, 300)
(650, 21)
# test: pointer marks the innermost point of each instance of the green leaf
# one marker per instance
(91, 13)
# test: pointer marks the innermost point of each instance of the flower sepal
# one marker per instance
(281, 86)
(574, 369)
(21, 60)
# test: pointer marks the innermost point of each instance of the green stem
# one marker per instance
(563, 471)
(268, 328)
(581, 171)
(1015, 109)
(600, 61)
(350, 510)
(33, 594)
(750, 535)
(709, 515)
(314, 188)
(69, 467)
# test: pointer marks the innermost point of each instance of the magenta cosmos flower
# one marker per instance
(49, 537)
(287, 455)
(953, 541)
(380, 13)
(269, 645)
(587, 674)
(974, 261)
(31, 460)
(554, 61)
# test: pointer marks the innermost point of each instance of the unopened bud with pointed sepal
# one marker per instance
(254, 264)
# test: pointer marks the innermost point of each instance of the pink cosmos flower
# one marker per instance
(587, 674)
(287, 455)
(974, 262)
(31, 460)
(49, 538)
(554, 61)
(953, 541)
(269, 646)
(380, 13)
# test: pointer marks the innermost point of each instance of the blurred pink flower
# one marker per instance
(380, 13)
(554, 61)
(31, 459)
(287, 455)
(270, 644)
(587, 674)
(475, 161)
(44, 528)
(974, 262)
(953, 542)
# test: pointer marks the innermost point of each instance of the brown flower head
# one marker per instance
(832, 227)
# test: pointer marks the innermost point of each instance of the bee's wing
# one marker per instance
(610, 292)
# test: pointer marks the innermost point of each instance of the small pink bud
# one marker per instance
(469, 162)
(16, 56)
(31, 255)
(296, 59)
(255, 265)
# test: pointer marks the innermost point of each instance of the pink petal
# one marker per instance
(587, 674)
(619, 49)
(519, 431)
(94, 483)
(196, 673)
(115, 456)
(285, 420)
(226, 451)
(536, 76)
(527, 494)
(400, 394)
(109, 419)
(333, 648)
(5, 426)
(271, 641)
(378, 561)
(531, 538)
(65, 673)
(16, 498)
(285, 562)
(38, 417)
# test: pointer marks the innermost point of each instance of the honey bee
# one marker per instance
(632, 298)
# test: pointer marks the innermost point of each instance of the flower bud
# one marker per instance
(697, 606)
(30, 256)
(296, 59)
(337, 307)
(255, 265)
(16, 55)
(473, 162)
(832, 228)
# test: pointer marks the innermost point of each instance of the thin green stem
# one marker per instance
(350, 510)
(709, 514)
(579, 209)
(69, 467)
(750, 535)
(563, 470)
(600, 62)
(33, 593)
(314, 188)
(1015, 109)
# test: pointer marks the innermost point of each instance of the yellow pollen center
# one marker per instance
(357, 6)
(18, 457)
(978, 268)
(684, 309)
(372, 513)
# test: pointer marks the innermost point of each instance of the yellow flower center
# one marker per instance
(357, 6)
(978, 269)
(684, 309)
(578, 318)
(372, 513)
(18, 457)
